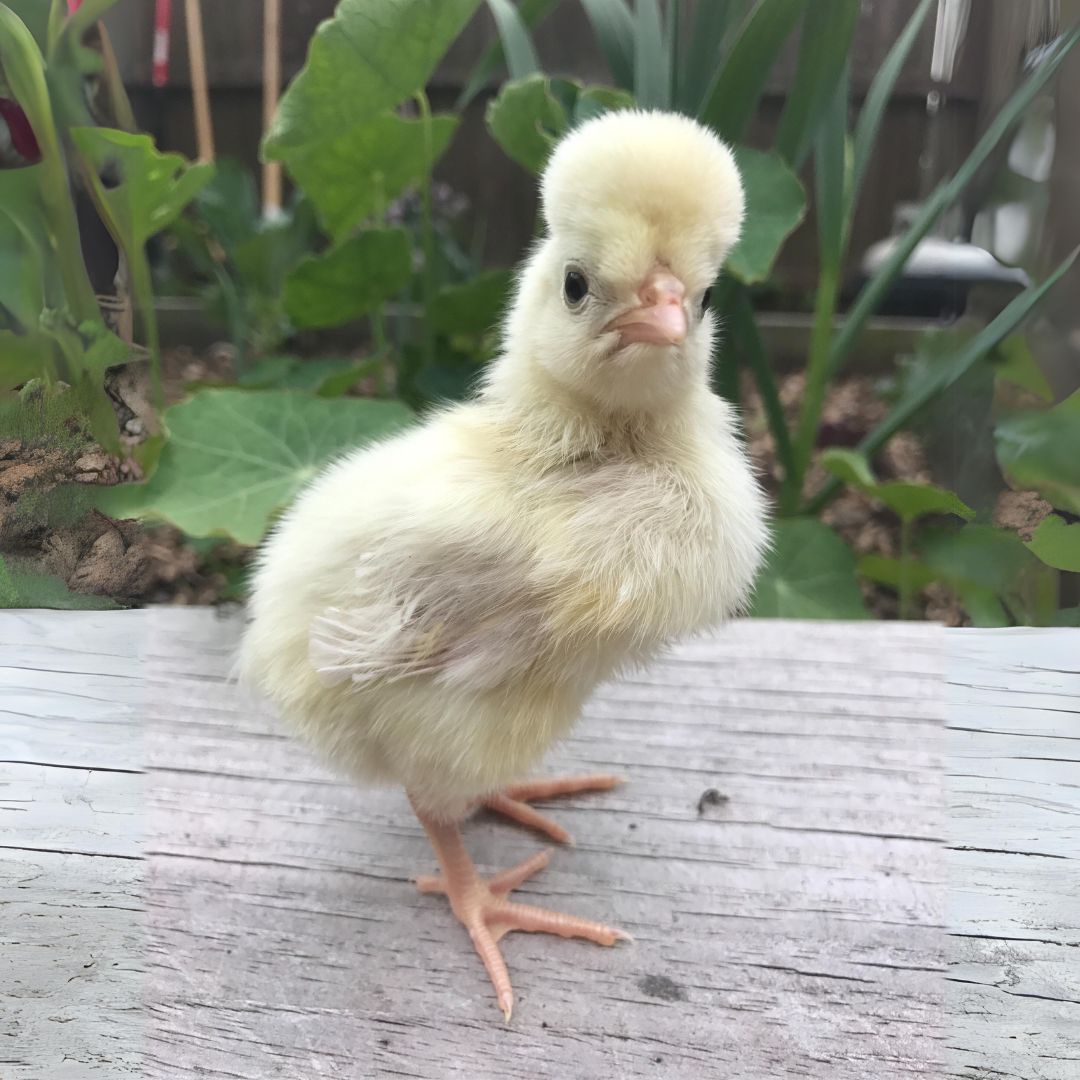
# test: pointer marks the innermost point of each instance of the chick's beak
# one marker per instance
(659, 318)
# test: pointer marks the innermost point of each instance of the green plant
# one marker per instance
(714, 68)
(59, 83)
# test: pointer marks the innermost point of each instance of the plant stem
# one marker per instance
(24, 69)
(817, 382)
(905, 568)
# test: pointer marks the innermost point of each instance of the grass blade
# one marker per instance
(877, 97)
(827, 31)
(613, 26)
(531, 13)
(733, 93)
(712, 21)
(974, 350)
(652, 64)
(521, 58)
(945, 194)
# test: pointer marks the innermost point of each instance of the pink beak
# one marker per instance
(660, 318)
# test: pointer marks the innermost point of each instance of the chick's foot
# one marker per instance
(484, 910)
(514, 801)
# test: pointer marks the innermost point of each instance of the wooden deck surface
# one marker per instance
(238, 911)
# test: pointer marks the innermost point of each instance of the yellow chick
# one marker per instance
(434, 610)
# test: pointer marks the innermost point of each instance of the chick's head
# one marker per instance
(641, 210)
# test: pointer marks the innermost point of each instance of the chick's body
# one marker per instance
(434, 611)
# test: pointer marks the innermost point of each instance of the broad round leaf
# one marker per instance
(236, 457)
(1057, 543)
(810, 575)
(775, 204)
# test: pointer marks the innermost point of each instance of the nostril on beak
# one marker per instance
(660, 288)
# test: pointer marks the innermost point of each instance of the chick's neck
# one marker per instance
(551, 425)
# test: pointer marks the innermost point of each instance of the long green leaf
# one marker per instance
(946, 193)
(877, 97)
(613, 26)
(744, 334)
(733, 93)
(531, 13)
(521, 58)
(952, 369)
(705, 46)
(652, 64)
(823, 50)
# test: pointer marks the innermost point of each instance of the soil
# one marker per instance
(94, 554)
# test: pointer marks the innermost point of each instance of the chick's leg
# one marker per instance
(513, 802)
(484, 910)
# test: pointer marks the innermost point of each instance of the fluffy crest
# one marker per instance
(663, 168)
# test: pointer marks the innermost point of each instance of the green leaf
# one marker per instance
(526, 120)
(652, 62)
(880, 94)
(229, 204)
(775, 204)
(1015, 363)
(474, 307)
(1057, 543)
(891, 572)
(1067, 617)
(613, 27)
(532, 13)
(335, 130)
(733, 94)
(712, 21)
(327, 376)
(349, 280)
(357, 174)
(521, 58)
(22, 358)
(372, 55)
(810, 574)
(831, 182)
(939, 376)
(870, 297)
(908, 501)
(236, 457)
(827, 30)
(1041, 451)
(146, 190)
(21, 588)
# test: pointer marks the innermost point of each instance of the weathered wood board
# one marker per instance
(793, 928)
(1014, 863)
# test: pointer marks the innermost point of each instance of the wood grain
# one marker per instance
(1014, 859)
(240, 911)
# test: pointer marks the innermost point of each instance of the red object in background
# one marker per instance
(162, 31)
(18, 144)
(74, 5)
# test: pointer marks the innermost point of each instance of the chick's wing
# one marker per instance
(463, 612)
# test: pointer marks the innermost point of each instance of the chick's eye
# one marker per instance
(575, 287)
(706, 300)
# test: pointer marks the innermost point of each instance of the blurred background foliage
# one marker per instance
(923, 453)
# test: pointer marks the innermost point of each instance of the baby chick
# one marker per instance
(435, 610)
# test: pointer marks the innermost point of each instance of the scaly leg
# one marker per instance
(514, 801)
(484, 910)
